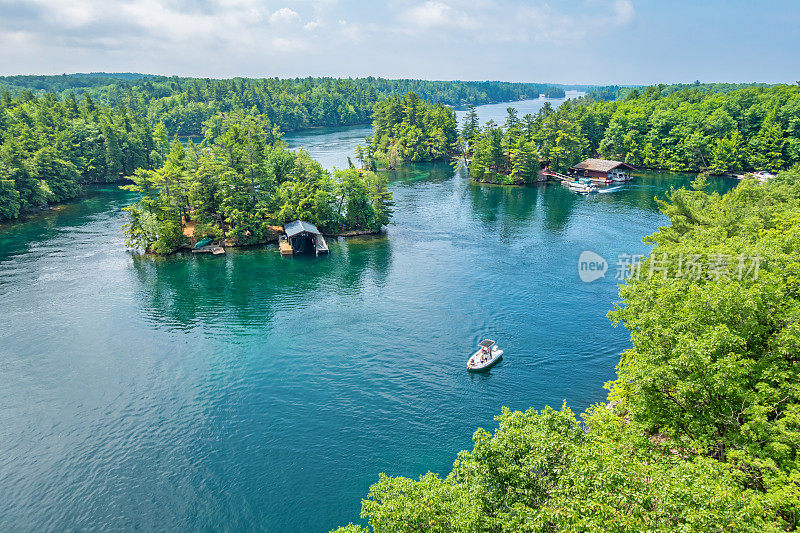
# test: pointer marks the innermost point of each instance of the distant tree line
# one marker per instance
(616, 92)
(183, 104)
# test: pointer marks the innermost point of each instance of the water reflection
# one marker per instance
(510, 206)
(246, 288)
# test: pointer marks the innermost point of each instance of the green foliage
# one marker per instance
(692, 128)
(48, 148)
(714, 363)
(408, 129)
(9, 200)
(240, 183)
(545, 471)
(615, 92)
(184, 104)
(702, 432)
(507, 155)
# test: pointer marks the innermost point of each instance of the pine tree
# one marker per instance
(768, 146)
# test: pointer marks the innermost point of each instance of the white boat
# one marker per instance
(619, 176)
(583, 186)
(487, 356)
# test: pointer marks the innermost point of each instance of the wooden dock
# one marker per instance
(563, 178)
(286, 248)
(557, 176)
(321, 247)
(210, 249)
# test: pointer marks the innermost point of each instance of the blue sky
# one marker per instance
(562, 41)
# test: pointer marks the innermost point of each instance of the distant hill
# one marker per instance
(63, 82)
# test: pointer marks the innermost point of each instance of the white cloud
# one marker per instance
(624, 11)
(432, 14)
(231, 35)
(510, 20)
(285, 16)
(73, 14)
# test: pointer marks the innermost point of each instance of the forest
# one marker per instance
(183, 104)
(241, 184)
(408, 129)
(616, 92)
(59, 132)
(718, 129)
(701, 431)
(507, 155)
(50, 147)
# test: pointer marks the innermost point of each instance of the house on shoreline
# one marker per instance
(603, 169)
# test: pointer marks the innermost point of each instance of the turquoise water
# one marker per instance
(331, 146)
(252, 391)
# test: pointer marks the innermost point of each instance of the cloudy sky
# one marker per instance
(566, 41)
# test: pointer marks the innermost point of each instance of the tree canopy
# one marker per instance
(408, 129)
(241, 182)
(714, 129)
(184, 104)
(49, 147)
(702, 428)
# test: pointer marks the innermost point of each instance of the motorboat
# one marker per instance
(487, 356)
(618, 176)
(583, 186)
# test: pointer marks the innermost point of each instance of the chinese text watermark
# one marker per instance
(593, 266)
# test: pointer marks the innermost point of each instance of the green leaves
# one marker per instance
(545, 471)
(48, 149)
(241, 183)
(703, 431)
(411, 130)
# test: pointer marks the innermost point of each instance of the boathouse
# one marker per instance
(603, 169)
(302, 237)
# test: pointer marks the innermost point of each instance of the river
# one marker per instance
(252, 391)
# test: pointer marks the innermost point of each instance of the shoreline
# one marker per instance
(267, 242)
(32, 213)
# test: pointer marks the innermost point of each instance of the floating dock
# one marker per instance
(321, 246)
(565, 179)
(210, 249)
(286, 248)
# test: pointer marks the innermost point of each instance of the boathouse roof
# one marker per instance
(601, 165)
(300, 226)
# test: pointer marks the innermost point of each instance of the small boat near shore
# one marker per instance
(487, 356)
(583, 186)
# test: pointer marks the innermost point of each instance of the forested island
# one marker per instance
(50, 147)
(702, 424)
(241, 184)
(507, 155)
(717, 129)
(408, 129)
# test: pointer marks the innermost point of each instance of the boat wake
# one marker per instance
(611, 189)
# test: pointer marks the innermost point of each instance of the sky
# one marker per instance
(556, 41)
